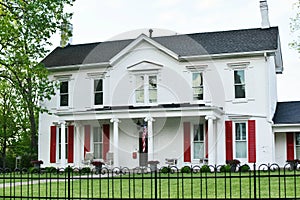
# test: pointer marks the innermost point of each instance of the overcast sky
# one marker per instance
(101, 20)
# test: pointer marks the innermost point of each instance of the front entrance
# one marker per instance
(143, 146)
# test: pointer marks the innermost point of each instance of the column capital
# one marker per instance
(114, 120)
(208, 117)
(149, 119)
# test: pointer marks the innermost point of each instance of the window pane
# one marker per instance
(152, 96)
(240, 131)
(98, 150)
(197, 79)
(98, 85)
(239, 91)
(64, 100)
(152, 82)
(239, 77)
(298, 152)
(99, 98)
(241, 149)
(97, 134)
(198, 150)
(64, 87)
(139, 95)
(297, 138)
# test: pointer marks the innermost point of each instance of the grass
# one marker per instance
(177, 185)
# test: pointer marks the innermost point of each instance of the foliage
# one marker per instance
(26, 28)
(186, 169)
(295, 27)
(165, 170)
(50, 169)
(225, 168)
(233, 162)
(85, 170)
(205, 169)
(244, 168)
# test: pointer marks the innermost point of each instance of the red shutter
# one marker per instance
(206, 139)
(52, 144)
(251, 141)
(290, 146)
(70, 144)
(105, 140)
(87, 138)
(187, 141)
(228, 138)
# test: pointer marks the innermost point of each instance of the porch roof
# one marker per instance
(287, 113)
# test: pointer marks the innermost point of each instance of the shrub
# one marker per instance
(244, 168)
(225, 168)
(85, 170)
(50, 169)
(185, 169)
(165, 170)
(205, 169)
(69, 169)
(33, 170)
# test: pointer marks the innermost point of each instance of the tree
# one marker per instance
(295, 27)
(26, 27)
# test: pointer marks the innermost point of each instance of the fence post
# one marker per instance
(69, 182)
(254, 181)
(155, 182)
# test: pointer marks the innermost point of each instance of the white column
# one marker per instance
(115, 122)
(149, 121)
(211, 141)
(77, 146)
(63, 144)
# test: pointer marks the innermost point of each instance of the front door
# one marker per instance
(143, 146)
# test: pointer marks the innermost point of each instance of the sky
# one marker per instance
(102, 20)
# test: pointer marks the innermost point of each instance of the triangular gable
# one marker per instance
(136, 42)
(144, 66)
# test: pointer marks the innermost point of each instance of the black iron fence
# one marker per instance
(197, 182)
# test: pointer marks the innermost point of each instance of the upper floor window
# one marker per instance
(197, 86)
(146, 89)
(239, 83)
(198, 141)
(297, 137)
(240, 140)
(98, 92)
(64, 93)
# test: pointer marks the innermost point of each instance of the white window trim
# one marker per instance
(242, 160)
(64, 78)
(146, 76)
(295, 150)
(92, 141)
(196, 160)
(198, 69)
(58, 145)
(96, 76)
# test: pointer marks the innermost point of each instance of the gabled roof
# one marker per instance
(287, 113)
(197, 44)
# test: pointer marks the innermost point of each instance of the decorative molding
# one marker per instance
(195, 68)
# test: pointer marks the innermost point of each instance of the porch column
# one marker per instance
(211, 140)
(63, 144)
(115, 122)
(77, 156)
(149, 121)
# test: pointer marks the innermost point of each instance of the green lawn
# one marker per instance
(177, 185)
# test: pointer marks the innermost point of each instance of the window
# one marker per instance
(98, 92)
(239, 83)
(240, 140)
(146, 89)
(198, 141)
(59, 143)
(197, 86)
(297, 136)
(98, 142)
(64, 93)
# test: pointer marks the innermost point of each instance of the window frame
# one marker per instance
(202, 127)
(58, 143)
(100, 132)
(64, 93)
(201, 86)
(95, 91)
(245, 141)
(144, 87)
(297, 145)
(241, 84)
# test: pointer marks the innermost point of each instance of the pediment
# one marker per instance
(145, 66)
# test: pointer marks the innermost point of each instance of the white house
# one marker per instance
(195, 98)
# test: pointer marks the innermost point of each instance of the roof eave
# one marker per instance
(79, 66)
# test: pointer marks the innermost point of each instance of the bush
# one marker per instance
(51, 169)
(244, 168)
(225, 168)
(33, 170)
(205, 169)
(185, 169)
(85, 170)
(69, 169)
(165, 170)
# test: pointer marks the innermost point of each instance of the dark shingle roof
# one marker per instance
(287, 113)
(246, 40)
